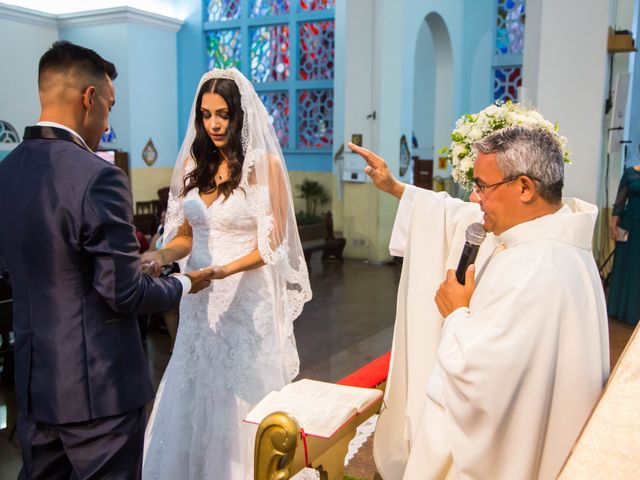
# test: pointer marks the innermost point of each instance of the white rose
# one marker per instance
(483, 123)
(475, 133)
(492, 109)
(535, 116)
(514, 118)
(458, 150)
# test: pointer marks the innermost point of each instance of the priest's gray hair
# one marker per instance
(533, 152)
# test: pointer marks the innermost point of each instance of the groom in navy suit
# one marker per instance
(66, 234)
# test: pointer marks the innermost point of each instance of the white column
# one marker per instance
(565, 62)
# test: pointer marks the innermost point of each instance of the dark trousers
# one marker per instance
(105, 448)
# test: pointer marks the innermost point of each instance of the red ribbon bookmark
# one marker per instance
(304, 443)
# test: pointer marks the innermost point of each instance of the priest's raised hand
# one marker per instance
(379, 172)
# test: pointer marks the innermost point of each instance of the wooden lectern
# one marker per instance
(280, 451)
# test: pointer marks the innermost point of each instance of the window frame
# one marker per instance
(502, 60)
(293, 85)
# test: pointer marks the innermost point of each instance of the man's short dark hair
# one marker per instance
(64, 56)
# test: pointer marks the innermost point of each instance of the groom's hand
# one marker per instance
(200, 279)
(379, 172)
(151, 263)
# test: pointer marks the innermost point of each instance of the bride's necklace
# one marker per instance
(223, 172)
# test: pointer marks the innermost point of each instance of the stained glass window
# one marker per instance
(506, 81)
(223, 47)
(8, 134)
(270, 53)
(317, 4)
(315, 118)
(507, 60)
(316, 50)
(510, 27)
(286, 49)
(263, 8)
(277, 105)
(223, 10)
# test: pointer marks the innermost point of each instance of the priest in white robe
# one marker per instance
(493, 379)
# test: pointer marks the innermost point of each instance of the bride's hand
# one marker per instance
(220, 272)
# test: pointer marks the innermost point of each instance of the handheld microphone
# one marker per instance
(475, 235)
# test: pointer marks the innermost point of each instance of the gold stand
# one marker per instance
(279, 451)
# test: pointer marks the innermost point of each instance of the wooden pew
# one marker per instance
(320, 237)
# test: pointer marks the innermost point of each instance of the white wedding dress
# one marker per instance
(227, 356)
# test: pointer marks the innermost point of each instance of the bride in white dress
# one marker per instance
(230, 207)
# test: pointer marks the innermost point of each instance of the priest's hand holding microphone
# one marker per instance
(458, 286)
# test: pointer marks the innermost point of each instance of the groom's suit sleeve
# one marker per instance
(108, 235)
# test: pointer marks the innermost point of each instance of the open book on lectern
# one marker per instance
(320, 408)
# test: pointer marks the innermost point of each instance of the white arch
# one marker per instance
(433, 87)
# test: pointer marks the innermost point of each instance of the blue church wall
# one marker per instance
(146, 87)
(192, 61)
(111, 41)
(23, 44)
(153, 91)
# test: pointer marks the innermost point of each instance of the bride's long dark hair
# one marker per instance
(206, 154)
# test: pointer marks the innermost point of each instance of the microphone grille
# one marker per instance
(475, 233)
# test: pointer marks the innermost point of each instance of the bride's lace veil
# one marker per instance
(264, 176)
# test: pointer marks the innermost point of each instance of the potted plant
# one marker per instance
(314, 195)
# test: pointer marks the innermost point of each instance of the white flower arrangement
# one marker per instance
(472, 127)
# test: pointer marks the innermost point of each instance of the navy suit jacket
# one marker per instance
(66, 234)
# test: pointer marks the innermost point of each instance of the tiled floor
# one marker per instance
(347, 324)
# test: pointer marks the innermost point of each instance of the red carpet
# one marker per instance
(370, 375)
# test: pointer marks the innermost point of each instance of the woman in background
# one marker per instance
(623, 301)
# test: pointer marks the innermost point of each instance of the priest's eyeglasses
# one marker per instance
(480, 190)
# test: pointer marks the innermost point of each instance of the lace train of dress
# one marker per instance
(227, 355)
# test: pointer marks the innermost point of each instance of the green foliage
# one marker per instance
(314, 194)
(457, 136)
(497, 123)
(469, 174)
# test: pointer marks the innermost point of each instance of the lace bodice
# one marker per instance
(223, 231)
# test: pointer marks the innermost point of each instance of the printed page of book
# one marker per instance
(320, 408)
(355, 397)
